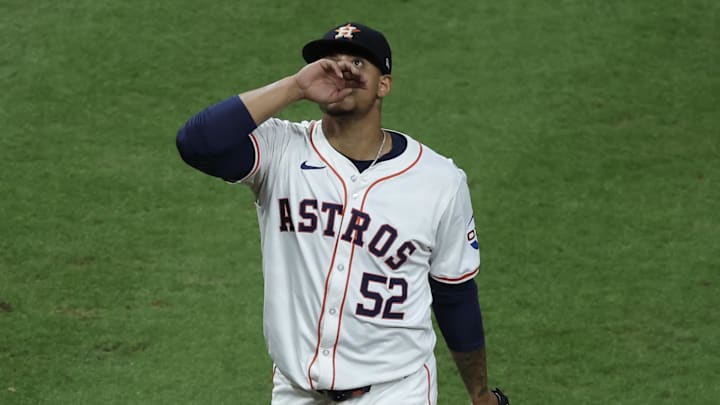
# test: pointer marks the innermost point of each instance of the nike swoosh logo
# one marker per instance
(306, 166)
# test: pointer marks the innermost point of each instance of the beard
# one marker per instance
(337, 112)
(345, 109)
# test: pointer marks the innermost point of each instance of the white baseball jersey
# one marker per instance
(346, 255)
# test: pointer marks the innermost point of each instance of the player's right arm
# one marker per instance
(215, 141)
(323, 81)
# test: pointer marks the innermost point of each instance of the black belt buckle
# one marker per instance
(344, 395)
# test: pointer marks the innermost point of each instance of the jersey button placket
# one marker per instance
(331, 320)
(336, 292)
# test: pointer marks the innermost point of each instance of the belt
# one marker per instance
(343, 395)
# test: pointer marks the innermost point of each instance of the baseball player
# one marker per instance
(363, 230)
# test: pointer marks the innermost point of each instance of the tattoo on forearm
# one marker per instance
(473, 370)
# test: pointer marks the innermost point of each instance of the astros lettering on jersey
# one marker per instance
(346, 255)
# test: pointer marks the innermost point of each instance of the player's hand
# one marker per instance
(486, 399)
(493, 397)
(328, 81)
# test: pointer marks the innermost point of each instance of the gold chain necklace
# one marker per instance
(377, 156)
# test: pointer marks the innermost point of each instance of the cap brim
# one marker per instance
(321, 48)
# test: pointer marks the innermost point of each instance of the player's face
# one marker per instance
(366, 95)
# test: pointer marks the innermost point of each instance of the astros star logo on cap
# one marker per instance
(346, 31)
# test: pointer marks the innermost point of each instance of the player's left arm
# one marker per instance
(473, 370)
(455, 262)
(457, 311)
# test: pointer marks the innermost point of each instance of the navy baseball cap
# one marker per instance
(355, 39)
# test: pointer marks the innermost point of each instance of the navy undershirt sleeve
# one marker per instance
(215, 140)
(457, 311)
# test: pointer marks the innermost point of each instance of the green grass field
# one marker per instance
(589, 130)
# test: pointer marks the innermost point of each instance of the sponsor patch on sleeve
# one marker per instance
(472, 235)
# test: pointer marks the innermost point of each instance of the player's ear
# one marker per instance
(384, 85)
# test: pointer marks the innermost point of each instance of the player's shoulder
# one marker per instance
(436, 165)
(278, 126)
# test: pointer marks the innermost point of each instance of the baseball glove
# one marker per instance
(501, 397)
